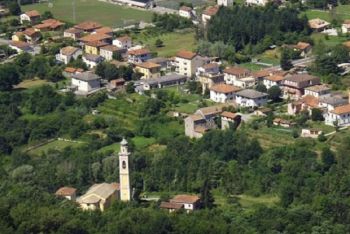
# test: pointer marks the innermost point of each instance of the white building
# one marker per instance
(223, 93)
(330, 102)
(108, 51)
(92, 60)
(186, 12)
(232, 75)
(318, 90)
(67, 53)
(274, 80)
(124, 177)
(124, 42)
(208, 13)
(251, 98)
(340, 115)
(345, 28)
(138, 55)
(187, 62)
(85, 82)
(190, 202)
(30, 16)
(73, 33)
(21, 47)
(256, 2)
(226, 3)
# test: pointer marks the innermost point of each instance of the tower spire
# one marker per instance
(124, 177)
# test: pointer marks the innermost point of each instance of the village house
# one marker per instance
(161, 82)
(274, 80)
(94, 47)
(21, 47)
(31, 17)
(116, 84)
(104, 30)
(67, 193)
(190, 202)
(124, 42)
(109, 51)
(73, 33)
(225, 3)
(67, 53)
(228, 119)
(223, 93)
(340, 116)
(236, 76)
(259, 76)
(283, 123)
(304, 48)
(187, 62)
(186, 12)
(294, 85)
(138, 55)
(256, 2)
(208, 69)
(311, 133)
(318, 25)
(306, 103)
(29, 35)
(148, 70)
(202, 120)
(331, 102)
(171, 207)
(92, 60)
(251, 98)
(85, 82)
(49, 25)
(263, 111)
(18, 36)
(96, 37)
(345, 27)
(209, 75)
(318, 90)
(209, 12)
(88, 26)
(69, 71)
(99, 196)
(163, 62)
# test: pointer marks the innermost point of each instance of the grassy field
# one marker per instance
(247, 201)
(104, 13)
(339, 13)
(28, 84)
(173, 42)
(330, 41)
(56, 145)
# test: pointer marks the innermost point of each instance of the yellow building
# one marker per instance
(94, 47)
(18, 36)
(148, 69)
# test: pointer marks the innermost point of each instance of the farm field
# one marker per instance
(340, 13)
(55, 145)
(104, 13)
(173, 42)
(330, 41)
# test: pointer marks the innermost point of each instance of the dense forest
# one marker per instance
(312, 186)
(250, 26)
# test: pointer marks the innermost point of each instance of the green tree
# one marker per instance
(274, 93)
(159, 43)
(207, 198)
(316, 115)
(9, 76)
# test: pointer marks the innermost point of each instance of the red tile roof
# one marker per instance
(224, 88)
(138, 52)
(183, 198)
(88, 26)
(237, 71)
(211, 10)
(65, 191)
(341, 110)
(185, 54)
(32, 13)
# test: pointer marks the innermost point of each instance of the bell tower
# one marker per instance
(124, 178)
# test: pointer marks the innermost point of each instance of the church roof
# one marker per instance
(124, 142)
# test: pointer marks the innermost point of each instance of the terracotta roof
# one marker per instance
(224, 88)
(32, 13)
(148, 65)
(88, 25)
(302, 45)
(138, 52)
(311, 101)
(229, 115)
(104, 30)
(275, 78)
(185, 54)
(73, 30)
(30, 32)
(341, 110)
(185, 8)
(110, 48)
(210, 65)
(237, 71)
(97, 44)
(183, 198)
(169, 205)
(95, 37)
(261, 73)
(195, 117)
(49, 23)
(318, 23)
(318, 88)
(123, 38)
(70, 69)
(65, 191)
(19, 44)
(347, 44)
(69, 50)
(301, 78)
(211, 10)
(347, 21)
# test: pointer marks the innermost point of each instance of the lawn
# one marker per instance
(174, 4)
(142, 142)
(56, 145)
(105, 13)
(247, 201)
(340, 13)
(173, 42)
(329, 41)
(253, 66)
(28, 84)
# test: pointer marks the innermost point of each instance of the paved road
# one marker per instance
(4, 41)
(298, 62)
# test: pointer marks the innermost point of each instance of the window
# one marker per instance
(123, 164)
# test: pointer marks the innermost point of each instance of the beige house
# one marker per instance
(238, 76)
(68, 53)
(228, 118)
(30, 17)
(67, 193)
(109, 51)
(99, 196)
(73, 33)
(223, 93)
(148, 69)
(187, 62)
(182, 201)
(318, 25)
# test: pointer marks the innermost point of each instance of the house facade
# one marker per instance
(233, 75)
(92, 60)
(73, 33)
(31, 17)
(294, 86)
(85, 82)
(274, 80)
(251, 98)
(318, 90)
(225, 3)
(138, 55)
(345, 28)
(339, 116)
(223, 93)
(148, 69)
(187, 63)
(124, 42)
(68, 53)
(185, 12)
